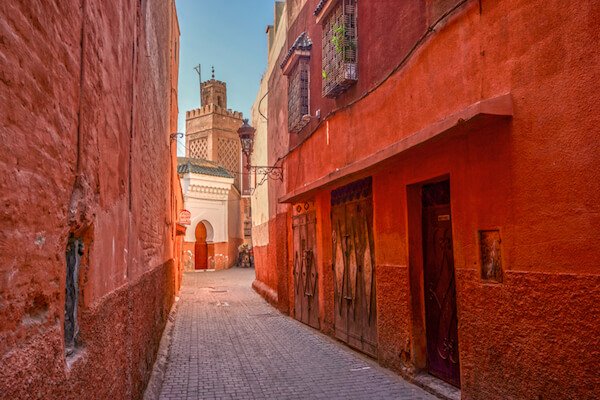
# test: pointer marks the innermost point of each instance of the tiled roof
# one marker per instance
(320, 7)
(201, 166)
(302, 43)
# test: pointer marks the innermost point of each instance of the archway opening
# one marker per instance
(201, 247)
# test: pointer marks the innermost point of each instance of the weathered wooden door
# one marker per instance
(440, 289)
(306, 293)
(201, 248)
(354, 266)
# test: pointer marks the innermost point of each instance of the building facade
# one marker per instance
(89, 244)
(215, 231)
(440, 198)
(269, 279)
(214, 185)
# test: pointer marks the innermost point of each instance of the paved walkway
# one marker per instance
(228, 343)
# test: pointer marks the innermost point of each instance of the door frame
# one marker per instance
(203, 244)
(304, 221)
(414, 218)
(352, 195)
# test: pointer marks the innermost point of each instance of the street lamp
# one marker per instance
(246, 134)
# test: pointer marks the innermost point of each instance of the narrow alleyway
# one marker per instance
(228, 343)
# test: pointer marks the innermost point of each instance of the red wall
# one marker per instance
(535, 177)
(271, 261)
(85, 93)
(265, 266)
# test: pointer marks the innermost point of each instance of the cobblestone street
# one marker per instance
(227, 343)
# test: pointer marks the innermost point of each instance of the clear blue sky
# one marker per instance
(229, 34)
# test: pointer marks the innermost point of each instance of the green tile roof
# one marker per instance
(201, 166)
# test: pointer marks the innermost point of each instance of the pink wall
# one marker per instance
(86, 99)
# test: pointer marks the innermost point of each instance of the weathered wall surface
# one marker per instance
(269, 218)
(534, 177)
(176, 197)
(260, 155)
(86, 99)
(214, 202)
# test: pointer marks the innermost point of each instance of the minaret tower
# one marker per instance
(214, 92)
(211, 130)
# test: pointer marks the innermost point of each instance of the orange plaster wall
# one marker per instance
(220, 255)
(216, 255)
(273, 279)
(265, 259)
(324, 262)
(85, 124)
(265, 267)
(536, 178)
(271, 263)
(533, 66)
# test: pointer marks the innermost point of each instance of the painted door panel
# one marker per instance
(306, 294)
(201, 247)
(354, 266)
(440, 288)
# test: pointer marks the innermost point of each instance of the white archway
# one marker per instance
(214, 232)
(210, 232)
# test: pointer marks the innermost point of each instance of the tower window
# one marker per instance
(219, 101)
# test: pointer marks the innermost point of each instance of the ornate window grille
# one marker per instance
(298, 96)
(199, 148)
(296, 66)
(339, 48)
(229, 153)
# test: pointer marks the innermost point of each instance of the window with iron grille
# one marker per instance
(339, 49)
(295, 66)
(298, 108)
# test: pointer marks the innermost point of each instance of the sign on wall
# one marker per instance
(185, 217)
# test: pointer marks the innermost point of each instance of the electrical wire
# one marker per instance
(259, 104)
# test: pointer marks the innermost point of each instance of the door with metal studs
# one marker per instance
(306, 293)
(354, 266)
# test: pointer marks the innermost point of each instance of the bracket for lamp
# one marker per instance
(246, 134)
(275, 173)
(176, 135)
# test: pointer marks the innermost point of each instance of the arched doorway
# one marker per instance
(201, 248)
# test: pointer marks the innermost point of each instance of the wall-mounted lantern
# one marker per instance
(246, 134)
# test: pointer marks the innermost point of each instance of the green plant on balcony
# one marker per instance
(339, 37)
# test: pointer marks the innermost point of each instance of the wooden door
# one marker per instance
(354, 266)
(440, 289)
(306, 293)
(201, 248)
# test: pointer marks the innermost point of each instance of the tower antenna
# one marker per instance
(198, 69)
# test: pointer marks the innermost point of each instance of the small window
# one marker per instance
(491, 256)
(71, 332)
(298, 96)
(339, 49)
(296, 66)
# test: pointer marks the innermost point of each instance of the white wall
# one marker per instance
(206, 197)
(260, 197)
